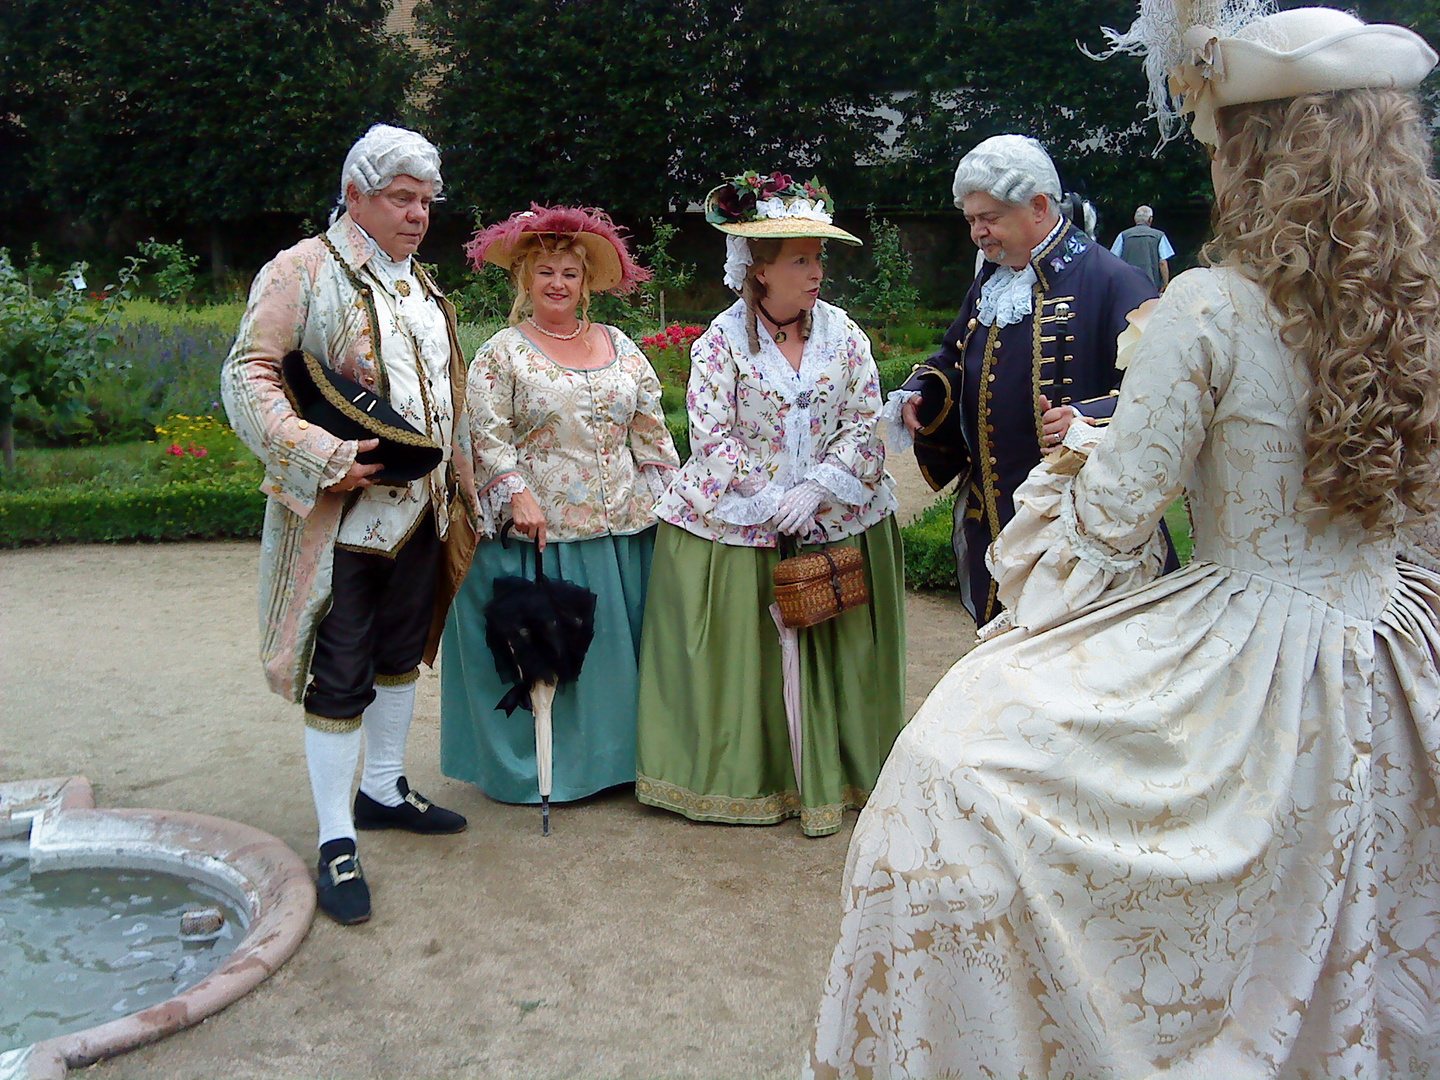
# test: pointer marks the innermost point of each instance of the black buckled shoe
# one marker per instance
(415, 813)
(340, 888)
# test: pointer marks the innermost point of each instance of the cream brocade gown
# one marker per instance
(1184, 826)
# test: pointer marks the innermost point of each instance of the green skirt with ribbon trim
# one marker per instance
(714, 738)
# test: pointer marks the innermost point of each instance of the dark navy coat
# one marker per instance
(981, 389)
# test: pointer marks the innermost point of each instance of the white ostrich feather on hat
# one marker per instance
(1201, 55)
(1158, 34)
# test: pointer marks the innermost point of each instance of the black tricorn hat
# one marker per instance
(347, 410)
(940, 443)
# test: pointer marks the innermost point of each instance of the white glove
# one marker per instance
(798, 506)
(751, 485)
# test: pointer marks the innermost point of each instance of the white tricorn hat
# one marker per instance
(1301, 51)
(1201, 55)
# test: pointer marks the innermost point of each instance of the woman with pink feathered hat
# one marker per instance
(570, 443)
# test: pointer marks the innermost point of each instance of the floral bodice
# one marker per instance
(576, 439)
(758, 427)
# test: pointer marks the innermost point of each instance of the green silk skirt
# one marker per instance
(593, 719)
(713, 741)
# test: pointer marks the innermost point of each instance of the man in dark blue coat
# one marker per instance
(1032, 352)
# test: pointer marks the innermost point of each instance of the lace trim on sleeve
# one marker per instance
(737, 509)
(658, 478)
(996, 626)
(494, 502)
(339, 463)
(840, 483)
(1092, 551)
(897, 435)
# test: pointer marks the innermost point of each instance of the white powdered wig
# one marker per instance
(385, 152)
(1011, 168)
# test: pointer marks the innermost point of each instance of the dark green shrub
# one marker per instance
(194, 510)
(929, 556)
(678, 421)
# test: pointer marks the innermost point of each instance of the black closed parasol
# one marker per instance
(539, 632)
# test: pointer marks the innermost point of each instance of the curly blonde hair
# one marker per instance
(1326, 200)
(522, 273)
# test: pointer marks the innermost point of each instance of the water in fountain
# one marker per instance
(81, 947)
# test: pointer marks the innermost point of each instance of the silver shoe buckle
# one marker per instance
(338, 877)
(418, 801)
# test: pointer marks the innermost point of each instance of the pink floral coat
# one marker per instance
(312, 296)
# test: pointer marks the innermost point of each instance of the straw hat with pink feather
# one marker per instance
(608, 264)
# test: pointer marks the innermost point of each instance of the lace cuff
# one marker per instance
(996, 626)
(1081, 437)
(494, 502)
(897, 435)
(658, 478)
(1091, 550)
(339, 463)
(737, 509)
(1046, 567)
(839, 483)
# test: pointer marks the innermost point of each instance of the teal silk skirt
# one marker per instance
(714, 743)
(594, 719)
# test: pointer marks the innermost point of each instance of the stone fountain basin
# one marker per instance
(260, 874)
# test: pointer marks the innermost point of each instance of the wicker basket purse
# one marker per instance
(819, 585)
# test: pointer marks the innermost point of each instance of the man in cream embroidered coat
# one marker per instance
(356, 577)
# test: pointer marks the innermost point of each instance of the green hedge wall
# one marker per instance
(197, 510)
(235, 509)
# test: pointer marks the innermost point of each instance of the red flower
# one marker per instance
(198, 451)
(776, 183)
(176, 450)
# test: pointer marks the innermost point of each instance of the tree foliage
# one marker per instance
(192, 110)
(639, 104)
(995, 66)
(197, 112)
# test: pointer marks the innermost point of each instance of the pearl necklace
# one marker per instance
(558, 337)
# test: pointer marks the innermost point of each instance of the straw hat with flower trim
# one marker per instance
(774, 207)
(607, 257)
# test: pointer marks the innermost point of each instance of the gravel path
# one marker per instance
(631, 943)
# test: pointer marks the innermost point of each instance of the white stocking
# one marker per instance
(332, 757)
(387, 725)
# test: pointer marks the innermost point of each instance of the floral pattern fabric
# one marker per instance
(1183, 825)
(579, 440)
(758, 427)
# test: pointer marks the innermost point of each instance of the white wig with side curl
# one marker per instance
(385, 152)
(1010, 168)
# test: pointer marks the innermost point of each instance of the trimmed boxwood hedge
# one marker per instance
(235, 508)
(929, 555)
(194, 510)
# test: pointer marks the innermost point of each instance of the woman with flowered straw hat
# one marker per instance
(1188, 826)
(570, 443)
(742, 720)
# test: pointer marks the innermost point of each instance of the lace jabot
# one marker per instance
(1009, 294)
